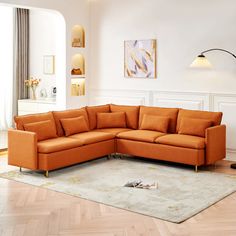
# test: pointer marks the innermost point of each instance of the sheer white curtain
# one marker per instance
(6, 67)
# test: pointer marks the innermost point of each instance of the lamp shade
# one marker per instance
(201, 62)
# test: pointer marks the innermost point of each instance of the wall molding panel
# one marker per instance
(195, 101)
(125, 97)
(227, 104)
(188, 100)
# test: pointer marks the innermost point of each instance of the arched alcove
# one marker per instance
(78, 87)
(78, 65)
(78, 36)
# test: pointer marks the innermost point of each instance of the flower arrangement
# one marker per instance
(32, 83)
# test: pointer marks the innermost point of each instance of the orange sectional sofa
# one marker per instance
(52, 140)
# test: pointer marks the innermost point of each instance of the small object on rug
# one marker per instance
(133, 184)
(140, 184)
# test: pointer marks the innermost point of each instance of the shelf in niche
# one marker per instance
(78, 65)
(78, 76)
(78, 87)
(78, 37)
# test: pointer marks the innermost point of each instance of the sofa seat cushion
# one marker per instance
(141, 135)
(58, 144)
(92, 137)
(180, 140)
(114, 131)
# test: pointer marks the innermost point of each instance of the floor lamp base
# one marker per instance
(233, 166)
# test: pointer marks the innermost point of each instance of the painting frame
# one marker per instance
(140, 59)
(49, 64)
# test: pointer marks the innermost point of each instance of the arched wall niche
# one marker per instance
(78, 37)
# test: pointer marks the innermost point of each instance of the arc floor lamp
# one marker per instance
(202, 62)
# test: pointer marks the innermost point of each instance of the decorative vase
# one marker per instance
(33, 93)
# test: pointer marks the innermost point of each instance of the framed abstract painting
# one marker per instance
(140, 59)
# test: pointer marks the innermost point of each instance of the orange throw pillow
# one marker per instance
(131, 114)
(43, 129)
(73, 113)
(111, 120)
(92, 114)
(74, 125)
(156, 123)
(196, 127)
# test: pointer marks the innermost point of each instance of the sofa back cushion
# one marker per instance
(58, 115)
(131, 112)
(155, 123)
(214, 117)
(170, 113)
(92, 114)
(44, 129)
(195, 127)
(111, 120)
(25, 119)
(74, 125)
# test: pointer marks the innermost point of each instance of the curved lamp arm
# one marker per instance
(218, 49)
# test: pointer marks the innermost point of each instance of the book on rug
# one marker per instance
(140, 184)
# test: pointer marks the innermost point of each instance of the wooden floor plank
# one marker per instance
(29, 210)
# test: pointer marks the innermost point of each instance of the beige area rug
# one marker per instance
(181, 192)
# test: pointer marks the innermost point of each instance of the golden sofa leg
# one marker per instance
(215, 165)
(196, 168)
(46, 174)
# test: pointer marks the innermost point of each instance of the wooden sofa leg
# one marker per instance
(196, 168)
(46, 174)
(20, 169)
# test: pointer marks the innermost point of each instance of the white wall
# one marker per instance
(182, 28)
(44, 40)
(71, 12)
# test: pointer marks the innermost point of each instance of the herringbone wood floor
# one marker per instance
(29, 210)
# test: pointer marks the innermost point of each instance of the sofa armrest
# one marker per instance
(215, 144)
(22, 149)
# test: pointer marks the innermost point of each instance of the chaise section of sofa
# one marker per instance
(57, 139)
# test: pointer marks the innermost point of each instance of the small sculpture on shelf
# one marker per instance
(76, 71)
(77, 87)
(76, 42)
(43, 93)
(32, 83)
(77, 64)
